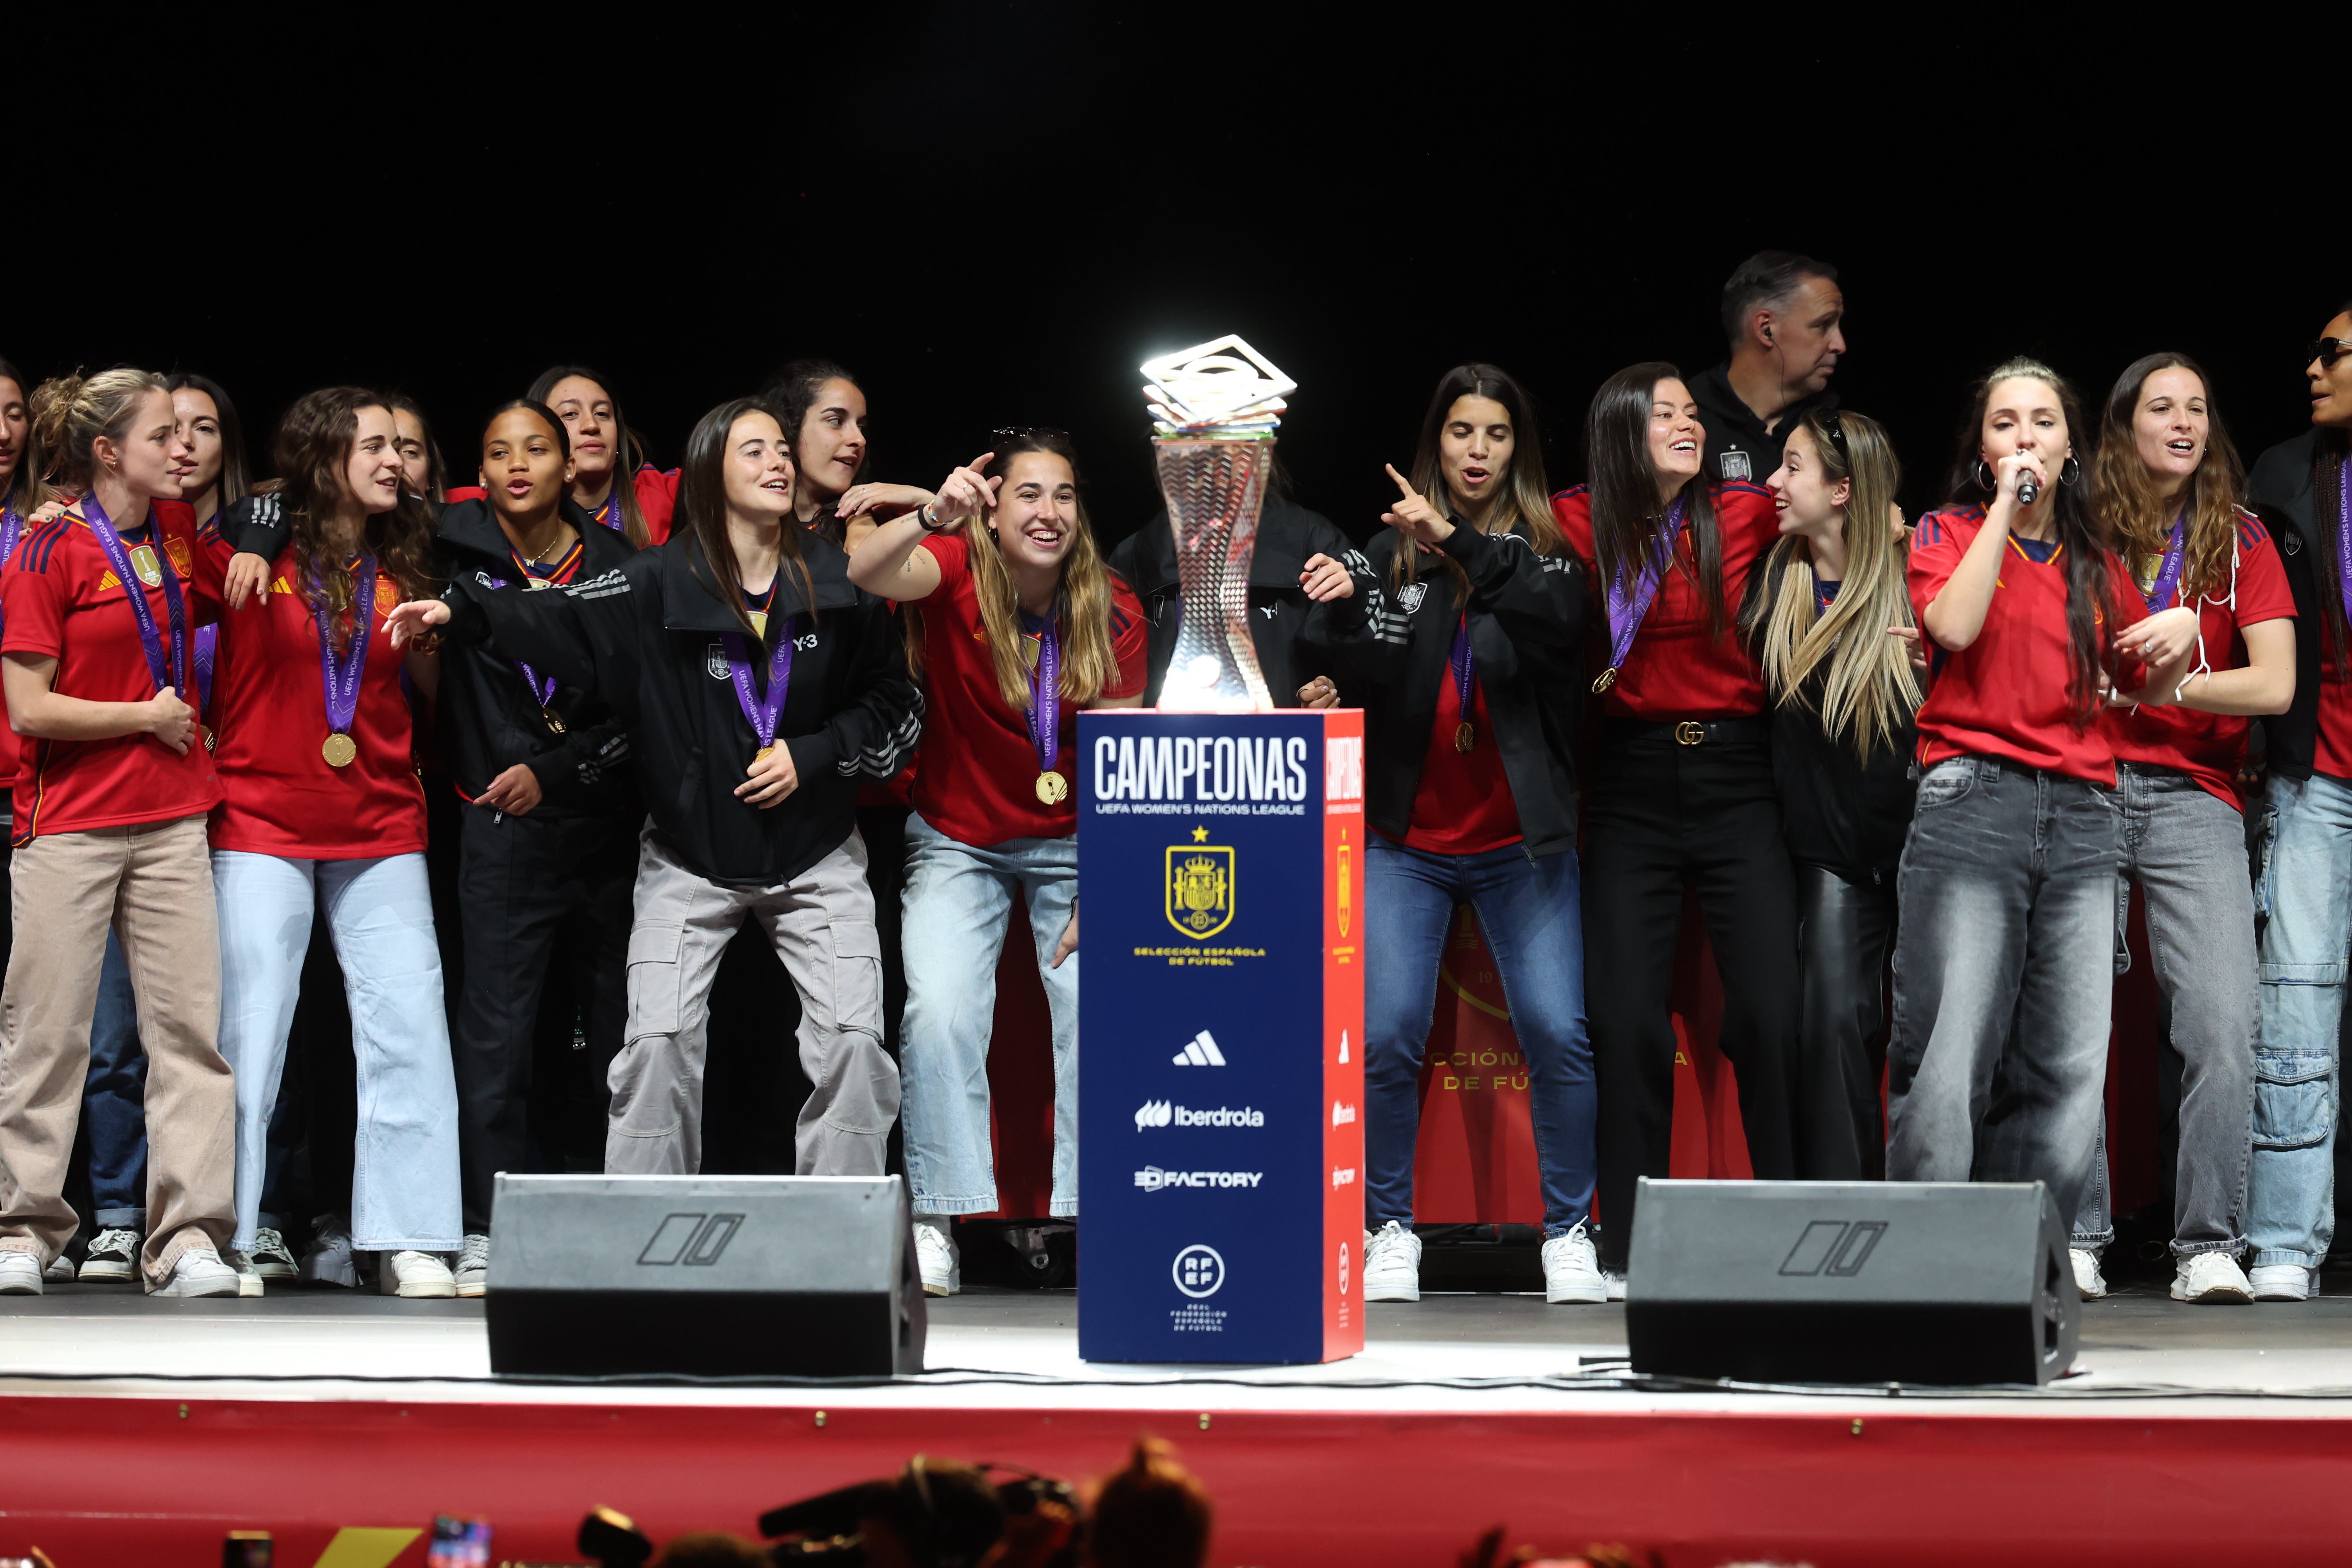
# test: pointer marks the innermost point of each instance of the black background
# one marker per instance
(993, 213)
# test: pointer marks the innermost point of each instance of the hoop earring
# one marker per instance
(1984, 476)
(2069, 471)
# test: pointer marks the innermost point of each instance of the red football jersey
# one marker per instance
(283, 797)
(2005, 694)
(1463, 804)
(2210, 747)
(1675, 670)
(62, 600)
(988, 793)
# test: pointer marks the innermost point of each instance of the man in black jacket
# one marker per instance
(1783, 316)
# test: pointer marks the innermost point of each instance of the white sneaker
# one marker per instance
(2211, 1277)
(1392, 1264)
(936, 1257)
(414, 1275)
(199, 1272)
(1572, 1268)
(272, 1258)
(61, 1270)
(20, 1274)
(2283, 1282)
(113, 1255)
(1616, 1284)
(2089, 1282)
(330, 1259)
(249, 1277)
(473, 1273)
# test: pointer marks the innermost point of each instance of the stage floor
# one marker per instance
(1003, 1348)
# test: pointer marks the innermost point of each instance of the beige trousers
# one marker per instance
(153, 884)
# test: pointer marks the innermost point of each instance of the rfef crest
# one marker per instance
(1199, 889)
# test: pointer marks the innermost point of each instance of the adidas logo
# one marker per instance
(1201, 1051)
(1341, 1114)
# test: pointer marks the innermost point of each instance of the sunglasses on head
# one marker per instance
(2326, 351)
(1833, 426)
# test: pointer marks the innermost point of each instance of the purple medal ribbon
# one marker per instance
(2343, 532)
(1625, 612)
(1824, 596)
(609, 514)
(532, 580)
(12, 530)
(119, 557)
(340, 677)
(765, 710)
(1044, 714)
(207, 654)
(1464, 665)
(2167, 576)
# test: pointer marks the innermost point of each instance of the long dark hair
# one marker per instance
(2090, 591)
(702, 502)
(2328, 454)
(312, 452)
(792, 393)
(436, 468)
(1521, 505)
(628, 453)
(235, 481)
(2124, 498)
(26, 492)
(1628, 519)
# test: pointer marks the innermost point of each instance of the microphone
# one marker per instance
(2028, 489)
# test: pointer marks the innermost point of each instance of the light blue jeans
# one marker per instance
(380, 913)
(959, 903)
(2306, 871)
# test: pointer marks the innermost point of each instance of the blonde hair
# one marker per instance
(70, 413)
(1081, 605)
(1868, 686)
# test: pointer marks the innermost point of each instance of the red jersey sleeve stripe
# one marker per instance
(33, 555)
(1571, 490)
(1742, 487)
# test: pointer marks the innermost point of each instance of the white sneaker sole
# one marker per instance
(174, 1287)
(279, 1270)
(107, 1272)
(1592, 1295)
(1394, 1290)
(2220, 1296)
(425, 1290)
(249, 1286)
(471, 1288)
(19, 1287)
(2280, 1293)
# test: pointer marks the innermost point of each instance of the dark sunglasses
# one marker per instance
(2326, 351)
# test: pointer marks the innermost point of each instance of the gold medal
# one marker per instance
(339, 749)
(1052, 788)
(759, 624)
(143, 562)
(1604, 681)
(762, 755)
(554, 720)
(1464, 736)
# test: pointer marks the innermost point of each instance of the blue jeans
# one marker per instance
(1529, 913)
(404, 1160)
(2004, 975)
(959, 901)
(115, 1100)
(2307, 866)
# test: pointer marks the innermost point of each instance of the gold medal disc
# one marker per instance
(339, 749)
(554, 720)
(1052, 788)
(1604, 681)
(1464, 737)
(761, 755)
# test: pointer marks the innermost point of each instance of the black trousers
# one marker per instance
(527, 886)
(1845, 932)
(1661, 816)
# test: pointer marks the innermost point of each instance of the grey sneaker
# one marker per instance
(199, 1272)
(473, 1270)
(249, 1277)
(114, 1256)
(272, 1258)
(61, 1270)
(329, 1260)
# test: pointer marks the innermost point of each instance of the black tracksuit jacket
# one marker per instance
(2279, 489)
(1288, 535)
(1389, 651)
(644, 636)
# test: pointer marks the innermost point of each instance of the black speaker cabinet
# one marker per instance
(704, 1275)
(1927, 1282)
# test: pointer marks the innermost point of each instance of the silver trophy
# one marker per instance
(1215, 409)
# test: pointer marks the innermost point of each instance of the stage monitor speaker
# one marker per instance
(1927, 1282)
(703, 1276)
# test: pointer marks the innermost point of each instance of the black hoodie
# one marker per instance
(1526, 629)
(488, 719)
(2278, 489)
(644, 636)
(1288, 536)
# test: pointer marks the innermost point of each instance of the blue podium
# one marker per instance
(1221, 1005)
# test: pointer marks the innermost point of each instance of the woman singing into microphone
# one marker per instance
(757, 686)
(2003, 964)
